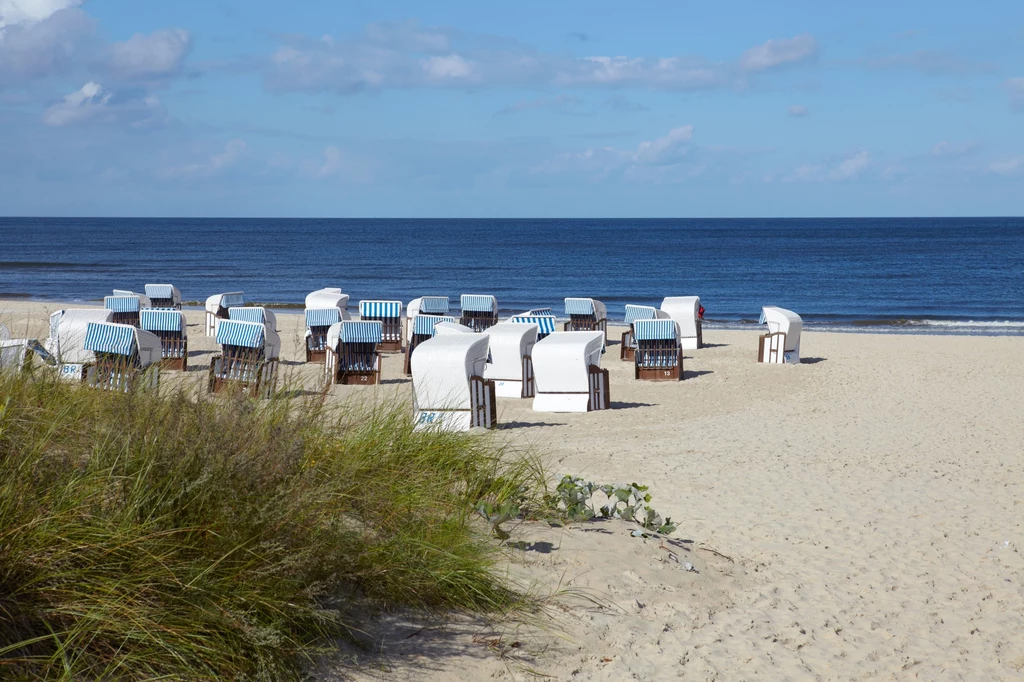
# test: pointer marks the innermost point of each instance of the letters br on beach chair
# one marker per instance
(389, 314)
(448, 385)
(568, 374)
(479, 311)
(421, 328)
(659, 354)
(511, 359)
(66, 342)
(168, 324)
(125, 357)
(163, 296)
(324, 307)
(634, 313)
(217, 308)
(585, 315)
(686, 311)
(248, 359)
(782, 342)
(352, 356)
(542, 317)
(126, 306)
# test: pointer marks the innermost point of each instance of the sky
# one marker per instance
(531, 108)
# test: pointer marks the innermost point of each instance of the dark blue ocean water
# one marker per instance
(949, 274)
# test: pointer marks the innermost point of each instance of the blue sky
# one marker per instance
(462, 109)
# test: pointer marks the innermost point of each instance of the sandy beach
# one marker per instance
(855, 517)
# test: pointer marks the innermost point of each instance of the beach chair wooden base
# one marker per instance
(658, 360)
(245, 373)
(659, 374)
(173, 351)
(131, 318)
(116, 373)
(175, 364)
(357, 364)
(478, 321)
(600, 390)
(391, 333)
(771, 348)
(626, 350)
(483, 403)
(164, 303)
(316, 345)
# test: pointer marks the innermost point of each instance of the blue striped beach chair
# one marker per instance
(126, 357)
(586, 315)
(318, 322)
(542, 317)
(479, 311)
(253, 314)
(634, 313)
(389, 314)
(168, 324)
(248, 360)
(163, 296)
(421, 329)
(659, 353)
(217, 308)
(352, 356)
(125, 306)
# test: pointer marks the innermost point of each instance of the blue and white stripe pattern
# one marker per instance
(434, 305)
(239, 333)
(247, 315)
(547, 312)
(579, 306)
(121, 304)
(545, 323)
(159, 291)
(478, 303)
(101, 337)
(232, 299)
(639, 312)
(361, 332)
(654, 330)
(161, 320)
(320, 317)
(424, 324)
(380, 309)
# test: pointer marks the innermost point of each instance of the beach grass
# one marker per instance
(146, 536)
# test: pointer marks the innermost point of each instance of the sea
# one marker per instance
(925, 275)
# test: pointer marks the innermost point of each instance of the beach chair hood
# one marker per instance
(249, 335)
(164, 291)
(329, 297)
(67, 333)
(427, 305)
(510, 341)
(785, 321)
(253, 314)
(217, 301)
(441, 368)
(122, 339)
(561, 361)
(443, 328)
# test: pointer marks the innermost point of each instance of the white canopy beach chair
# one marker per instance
(253, 314)
(427, 305)
(686, 311)
(168, 324)
(126, 306)
(479, 311)
(634, 313)
(659, 352)
(248, 359)
(125, 357)
(511, 365)
(421, 328)
(17, 354)
(67, 338)
(163, 296)
(217, 308)
(352, 356)
(568, 374)
(586, 314)
(448, 385)
(542, 317)
(324, 307)
(389, 314)
(782, 342)
(452, 328)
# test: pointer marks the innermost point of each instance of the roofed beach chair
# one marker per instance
(125, 357)
(568, 374)
(163, 296)
(448, 385)
(352, 357)
(542, 317)
(67, 338)
(686, 311)
(511, 365)
(168, 324)
(389, 314)
(421, 328)
(324, 307)
(479, 311)
(659, 353)
(126, 306)
(17, 354)
(441, 328)
(248, 359)
(634, 313)
(253, 314)
(425, 306)
(586, 314)
(782, 342)
(217, 308)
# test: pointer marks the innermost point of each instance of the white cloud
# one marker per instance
(798, 111)
(671, 148)
(949, 150)
(1007, 166)
(41, 39)
(848, 168)
(94, 104)
(147, 57)
(214, 164)
(340, 164)
(780, 52)
(29, 12)
(452, 66)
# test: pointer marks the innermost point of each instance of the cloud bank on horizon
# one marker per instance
(460, 109)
